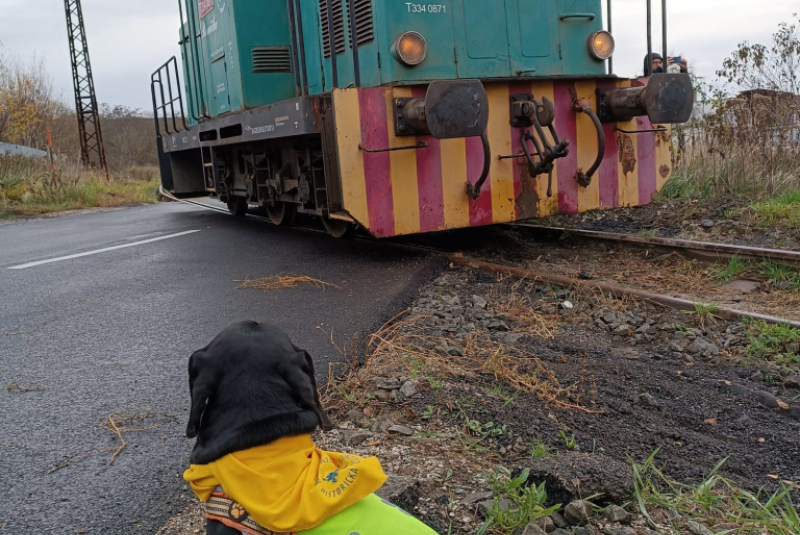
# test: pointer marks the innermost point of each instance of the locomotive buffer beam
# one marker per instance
(450, 109)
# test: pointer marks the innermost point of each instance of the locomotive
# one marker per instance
(402, 117)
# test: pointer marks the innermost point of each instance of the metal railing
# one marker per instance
(165, 99)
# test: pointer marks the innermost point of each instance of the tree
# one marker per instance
(775, 67)
(27, 106)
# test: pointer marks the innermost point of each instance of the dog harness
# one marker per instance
(370, 516)
(290, 486)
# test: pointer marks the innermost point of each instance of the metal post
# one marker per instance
(354, 42)
(332, 40)
(51, 157)
(610, 26)
(664, 30)
(649, 62)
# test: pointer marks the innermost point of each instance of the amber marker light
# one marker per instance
(601, 45)
(410, 48)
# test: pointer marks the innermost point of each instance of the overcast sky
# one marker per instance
(129, 39)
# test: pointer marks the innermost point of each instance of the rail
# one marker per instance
(164, 99)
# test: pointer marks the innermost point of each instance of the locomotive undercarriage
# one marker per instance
(284, 177)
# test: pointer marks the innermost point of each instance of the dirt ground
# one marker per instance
(483, 372)
(721, 221)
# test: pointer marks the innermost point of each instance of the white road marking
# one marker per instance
(105, 250)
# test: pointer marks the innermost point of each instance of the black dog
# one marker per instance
(249, 387)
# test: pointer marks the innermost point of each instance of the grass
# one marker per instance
(775, 343)
(27, 188)
(539, 450)
(781, 211)
(527, 503)
(732, 270)
(705, 313)
(781, 275)
(569, 441)
(716, 501)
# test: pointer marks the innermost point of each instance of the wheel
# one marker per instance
(338, 228)
(238, 206)
(282, 213)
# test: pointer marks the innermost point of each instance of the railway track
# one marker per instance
(713, 251)
(709, 250)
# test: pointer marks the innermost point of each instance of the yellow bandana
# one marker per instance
(289, 485)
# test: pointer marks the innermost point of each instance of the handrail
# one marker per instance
(162, 76)
(565, 16)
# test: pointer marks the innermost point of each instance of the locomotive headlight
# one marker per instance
(601, 45)
(410, 48)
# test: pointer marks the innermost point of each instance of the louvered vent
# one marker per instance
(365, 30)
(271, 59)
(338, 26)
(364, 24)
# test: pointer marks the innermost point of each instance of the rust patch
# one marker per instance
(664, 170)
(661, 137)
(528, 199)
(627, 155)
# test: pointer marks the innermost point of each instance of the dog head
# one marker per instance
(250, 386)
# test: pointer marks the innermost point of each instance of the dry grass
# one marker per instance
(283, 282)
(406, 342)
(13, 386)
(517, 304)
(129, 419)
(28, 188)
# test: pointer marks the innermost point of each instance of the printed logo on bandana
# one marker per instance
(336, 482)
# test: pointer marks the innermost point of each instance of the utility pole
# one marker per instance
(93, 152)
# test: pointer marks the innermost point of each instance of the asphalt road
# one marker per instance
(101, 332)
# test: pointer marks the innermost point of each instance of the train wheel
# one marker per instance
(338, 228)
(238, 206)
(282, 213)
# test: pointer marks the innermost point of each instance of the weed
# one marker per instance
(443, 478)
(781, 275)
(648, 233)
(499, 392)
(540, 450)
(569, 442)
(527, 502)
(715, 501)
(428, 413)
(489, 430)
(733, 270)
(774, 342)
(435, 382)
(465, 402)
(705, 313)
(352, 398)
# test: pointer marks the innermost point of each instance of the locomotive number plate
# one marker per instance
(426, 8)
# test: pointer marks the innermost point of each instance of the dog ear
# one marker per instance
(202, 383)
(302, 380)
